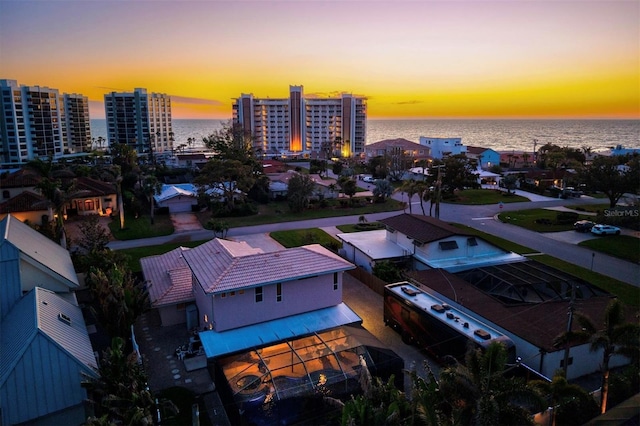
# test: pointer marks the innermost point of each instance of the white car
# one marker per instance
(368, 179)
(605, 230)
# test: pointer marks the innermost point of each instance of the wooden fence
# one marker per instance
(371, 281)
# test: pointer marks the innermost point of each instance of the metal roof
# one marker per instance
(42, 311)
(39, 248)
(257, 335)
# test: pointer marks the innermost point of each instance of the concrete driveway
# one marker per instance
(185, 222)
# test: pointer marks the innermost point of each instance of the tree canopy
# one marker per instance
(613, 176)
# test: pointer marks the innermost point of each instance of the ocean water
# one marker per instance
(500, 135)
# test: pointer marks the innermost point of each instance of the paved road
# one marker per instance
(477, 217)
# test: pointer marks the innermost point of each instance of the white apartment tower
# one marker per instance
(300, 125)
(38, 122)
(140, 120)
(78, 123)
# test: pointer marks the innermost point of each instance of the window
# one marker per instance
(223, 295)
(448, 245)
(335, 280)
(472, 242)
(233, 293)
(258, 291)
(279, 292)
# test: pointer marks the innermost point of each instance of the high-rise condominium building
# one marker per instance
(140, 120)
(38, 122)
(300, 125)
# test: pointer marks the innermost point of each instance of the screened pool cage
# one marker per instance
(327, 362)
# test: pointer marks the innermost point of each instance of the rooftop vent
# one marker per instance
(482, 334)
(438, 308)
(64, 318)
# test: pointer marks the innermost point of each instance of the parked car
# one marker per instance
(583, 225)
(605, 230)
(368, 179)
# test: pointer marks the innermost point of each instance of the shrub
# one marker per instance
(565, 218)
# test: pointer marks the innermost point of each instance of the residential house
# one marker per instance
(181, 197)
(229, 294)
(29, 259)
(18, 182)
(26, 206)
(46, 354)
(391, 146)
(45, 347)
(93, 197)
(527, 301)
(443, 147)
(486, 157)
(422, 242)
(170, 287)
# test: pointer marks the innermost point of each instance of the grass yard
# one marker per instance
(621, 246)
(141, 227)
(279, 212)
(484, 196)
(301, 237)
(591, 208)
(135, 254)
(538, 220)
(360, 227)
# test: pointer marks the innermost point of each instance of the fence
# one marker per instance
(373, 282)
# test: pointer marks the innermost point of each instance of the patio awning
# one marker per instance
(217, 344)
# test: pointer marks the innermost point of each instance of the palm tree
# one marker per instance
(616, 337)
(114, 174)
(560, 392)
(120, 394)
(150, 187)
(478, 392)
(410, 188)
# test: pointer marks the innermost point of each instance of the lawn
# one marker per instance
(301, 237)
(538, 220)
(484, 196)
(622, 246)
(591, 208)
(135, 254)
(279, 212)
(141, 227)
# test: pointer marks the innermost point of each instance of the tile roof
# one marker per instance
(538, 323)
(19, 179)
(41, 249)
(219, 269)
(404, 143)
(422, 228)
(94, 187)
(26, 201)
(169, 278)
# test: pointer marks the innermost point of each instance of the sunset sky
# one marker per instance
(417, 59)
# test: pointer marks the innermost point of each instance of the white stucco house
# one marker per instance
(424, 242)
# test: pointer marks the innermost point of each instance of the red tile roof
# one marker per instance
(20, 179)
(26, 201)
